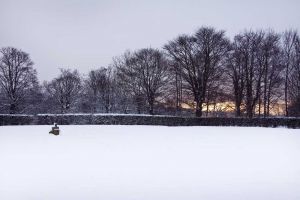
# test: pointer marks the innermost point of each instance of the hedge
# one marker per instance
(77, 119)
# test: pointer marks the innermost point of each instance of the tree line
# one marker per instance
(254, 72)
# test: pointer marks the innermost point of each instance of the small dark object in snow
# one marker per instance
(55, 130)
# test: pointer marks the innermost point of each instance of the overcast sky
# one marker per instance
(86, 34)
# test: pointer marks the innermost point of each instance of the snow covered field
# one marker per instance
(149, 163)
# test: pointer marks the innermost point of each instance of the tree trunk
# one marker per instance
(151, 105)
(198, 109)
(259, 107)
(286, 93)
(265, 95)
(151, 112)
(12, 108)
(207, 108)
(238, 111)
(249, 106)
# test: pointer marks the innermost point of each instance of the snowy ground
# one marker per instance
(149, 163)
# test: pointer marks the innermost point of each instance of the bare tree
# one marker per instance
(288, 43)
(128, 81)
(199, 57)
(17, 77)
(258, 71)
(270, 59)
(151, 68)
(236, 72)
(65, 89)
(100, 84)
(145, 73)
(175, 89)
(255, 69)
(250, 43)
(294, 80)
(92, 84)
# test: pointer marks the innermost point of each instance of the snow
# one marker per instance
(105, 114)
(149, 163)
(88, 114)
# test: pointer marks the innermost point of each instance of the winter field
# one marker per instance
(149, 163)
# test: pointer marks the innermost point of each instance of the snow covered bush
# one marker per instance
(124, 119)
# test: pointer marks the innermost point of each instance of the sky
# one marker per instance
(87, 34)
